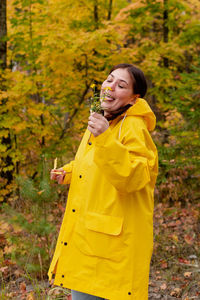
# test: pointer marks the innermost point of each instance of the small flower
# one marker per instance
(95, 104)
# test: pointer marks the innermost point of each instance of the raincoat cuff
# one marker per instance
(100, 140)
(68, 169)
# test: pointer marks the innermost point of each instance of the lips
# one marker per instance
(109, 98)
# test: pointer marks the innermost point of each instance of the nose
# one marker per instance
(112, 85)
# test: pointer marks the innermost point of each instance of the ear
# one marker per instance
(134, 98)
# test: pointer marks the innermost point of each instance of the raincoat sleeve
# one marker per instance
(68, 168)
(127, 163)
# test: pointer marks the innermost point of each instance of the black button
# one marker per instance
(61, 284)
(90, 143)
(80, 176)
(129, 293)
(63, 276)
(73, 210)
(65, 244)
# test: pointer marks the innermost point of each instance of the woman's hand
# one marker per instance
(97, 124)
(58, 175)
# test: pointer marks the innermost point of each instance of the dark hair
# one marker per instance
(139, 80)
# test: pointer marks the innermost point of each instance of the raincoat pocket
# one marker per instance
(100, 235)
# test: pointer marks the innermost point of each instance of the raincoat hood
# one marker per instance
(142, 109)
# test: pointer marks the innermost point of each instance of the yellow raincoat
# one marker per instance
(106, 238)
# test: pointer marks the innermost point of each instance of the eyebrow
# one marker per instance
(119, 79)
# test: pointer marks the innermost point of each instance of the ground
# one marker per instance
(175, 267)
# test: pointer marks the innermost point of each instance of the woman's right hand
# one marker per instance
(58, 175)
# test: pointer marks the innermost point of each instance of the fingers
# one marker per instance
(97, 124)
(91, 124)
(96, 119)
(92, 130)
(61, 179)
(58, 175)
(96, 115)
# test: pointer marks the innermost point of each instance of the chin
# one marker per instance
(108, 108)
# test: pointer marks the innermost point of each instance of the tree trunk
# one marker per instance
(96, 15)
(6, 167)
(109, 10)
(3, 33)
(165, 29)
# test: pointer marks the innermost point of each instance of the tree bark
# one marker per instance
(6, 170)
(96, 15)
(165, 29)
(3, 34)
(109, 10)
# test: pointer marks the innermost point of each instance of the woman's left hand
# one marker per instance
(97, 124)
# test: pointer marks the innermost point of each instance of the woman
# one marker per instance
(106, 238)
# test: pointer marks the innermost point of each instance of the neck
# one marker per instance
(111, 115)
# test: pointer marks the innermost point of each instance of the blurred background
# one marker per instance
(51, 51)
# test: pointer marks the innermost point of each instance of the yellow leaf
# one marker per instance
(30, 296)
(187, 274)
(35, 112)
(40, 192)
(175, 237)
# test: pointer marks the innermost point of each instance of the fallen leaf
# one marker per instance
(183, 261)
(4, 270)
(176, 292)
(17, 273)
(9, 249)
(40, 192)
(22, 287)
(30, 296)
(164, 264)
(175, 237)
(187, 274)
(163, 286)
(189, 239)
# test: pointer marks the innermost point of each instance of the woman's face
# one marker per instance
(117, 90)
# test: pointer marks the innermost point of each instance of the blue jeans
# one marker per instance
(82, 296)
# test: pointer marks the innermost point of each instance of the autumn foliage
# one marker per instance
(55, 51)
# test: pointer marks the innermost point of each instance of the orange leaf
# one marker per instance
(40, 192)
(22, 287)
(188, 239)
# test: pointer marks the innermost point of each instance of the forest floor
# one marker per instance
(175, 266)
